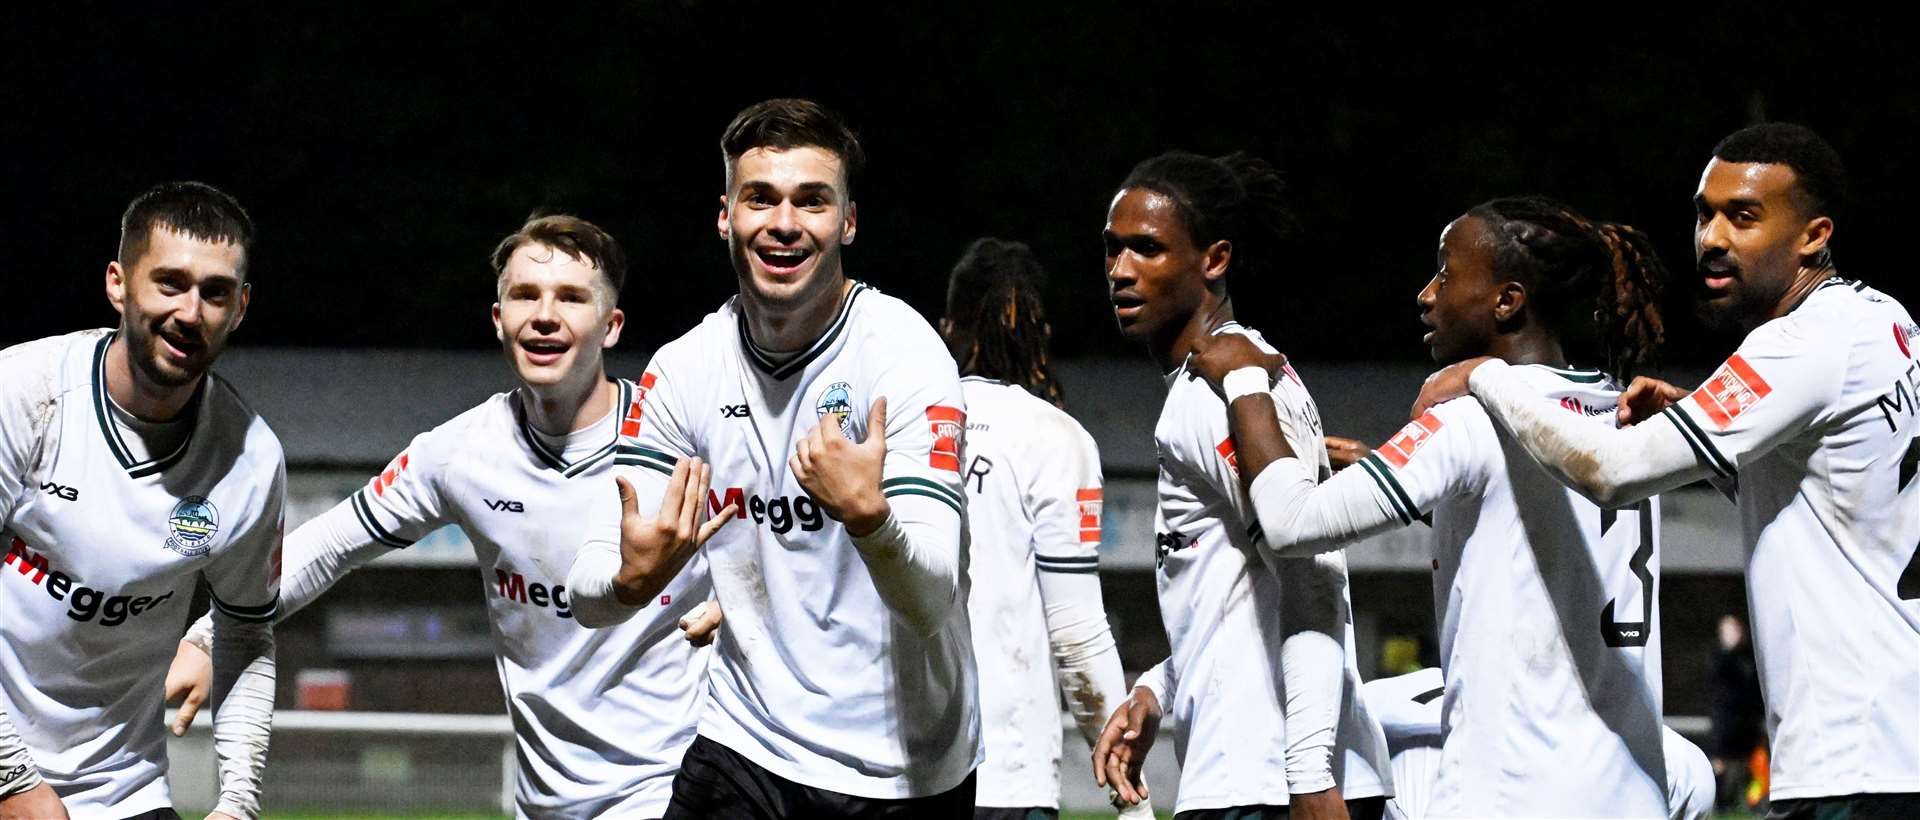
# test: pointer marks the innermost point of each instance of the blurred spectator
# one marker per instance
(1733, 689)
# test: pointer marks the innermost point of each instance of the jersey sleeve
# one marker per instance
(1064, 493)
(653, 439)
(1780, 382)
(244, 582)
(402, 503)
(926, 442)
(29, 383)
(1438, 455)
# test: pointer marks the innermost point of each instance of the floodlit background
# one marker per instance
(383, 149)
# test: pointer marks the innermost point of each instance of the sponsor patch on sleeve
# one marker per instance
(946, 424)
(1400, 449)
(1734, 388)
(1231, 456)
(1089, 501)
(630, 423)
(392, 473)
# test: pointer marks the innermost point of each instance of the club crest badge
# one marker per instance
(837, 404)
(192, 526)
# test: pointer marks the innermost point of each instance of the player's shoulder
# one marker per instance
(35, 367)
(238, 421)
(1015, 410)
(1834, 313)
(881, 317)
(494, 419)
(704, 340)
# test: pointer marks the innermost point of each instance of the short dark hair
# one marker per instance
(785, 124)
(996, 319)
(572, 236)
(195, 209)
(1239, 197)
(1822, 188)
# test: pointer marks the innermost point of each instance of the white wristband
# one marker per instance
(1245, 381)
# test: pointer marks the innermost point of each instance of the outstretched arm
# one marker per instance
(1611, 467)
(1298, 514)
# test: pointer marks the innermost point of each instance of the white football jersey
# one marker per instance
(601, 717)
(1691, 785)
(1220, 605)
(1548, 609)
(105, 542)
(812, 677)
(1814, 417)
(1033, 506)
(1408, 708)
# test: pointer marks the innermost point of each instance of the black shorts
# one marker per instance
(1365, 808)
(717, 782)
(1001, 813)
(1848, 807)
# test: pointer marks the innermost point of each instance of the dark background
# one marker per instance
(384, 149)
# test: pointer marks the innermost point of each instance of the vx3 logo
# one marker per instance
(61, 491)
(734, 411)
(504, 505)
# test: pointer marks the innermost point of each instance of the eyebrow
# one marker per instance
(1700, 201)
(803, 188)
(172, 271)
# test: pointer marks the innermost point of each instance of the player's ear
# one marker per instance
(721, 224)
(1818, 234)
(615, 320)
(117, 287)
(240, 310)
(1509, 301)
(1215, 259)
(499, 331)
(851, 224)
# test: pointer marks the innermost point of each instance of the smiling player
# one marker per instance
(601, 717)
(843, 677)
(1813, 419)
(129, 473)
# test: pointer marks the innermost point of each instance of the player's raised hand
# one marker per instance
(652, 550)
(1123, 745)
(1217, 355)
(189, 680)
(37, 803)
(843, 476)
(701, 622)
(1645, 398)
(1448, 384)
(1345, 452)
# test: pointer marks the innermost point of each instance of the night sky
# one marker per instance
(384, 149)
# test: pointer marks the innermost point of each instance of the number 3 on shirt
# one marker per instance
(1632, 633)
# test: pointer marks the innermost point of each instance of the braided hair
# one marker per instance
(997, 327)
(1238, 197)
(1582, 274)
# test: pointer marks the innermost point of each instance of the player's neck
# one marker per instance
(780, 329)
(560, 409)
(1805, 281)
(140, 397)
(1529, 345)
(1171, 347)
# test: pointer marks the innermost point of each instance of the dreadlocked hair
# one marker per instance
(1238, 197)
(1595, 284)
(997, 325)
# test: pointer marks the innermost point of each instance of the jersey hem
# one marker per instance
(1797, 792)
(1228, 801)
(875, 788)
